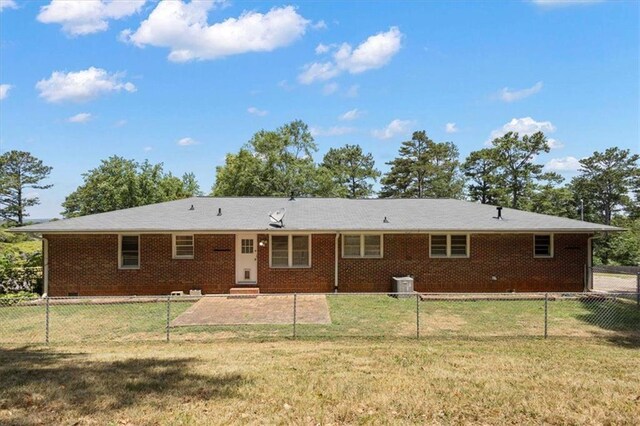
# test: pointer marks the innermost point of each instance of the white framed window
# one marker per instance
(129, 251)
(362, 246)
(449, 245)
(543, 245)
(183, 246)
(290, 251)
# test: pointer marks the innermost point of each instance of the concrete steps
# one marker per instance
(244, 291)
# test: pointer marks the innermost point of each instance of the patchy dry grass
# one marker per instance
(351, 316)
(354, 381)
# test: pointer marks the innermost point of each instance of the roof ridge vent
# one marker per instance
(499, 217)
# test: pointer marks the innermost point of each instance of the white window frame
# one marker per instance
(551, 246)
(174, 246)
(120, 265)
(290, 251)
(362, 247)
(449, 255)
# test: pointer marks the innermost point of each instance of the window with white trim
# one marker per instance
(290, 251)
(183, 246)
(449, 245)
(129, 252)
(543, 245)
(362, 245)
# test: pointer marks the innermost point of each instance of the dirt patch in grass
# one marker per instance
(441, 321)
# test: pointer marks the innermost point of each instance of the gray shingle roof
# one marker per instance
(315, 214)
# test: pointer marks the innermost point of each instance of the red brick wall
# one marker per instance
(317, 279)
(508, 257)
(88, 265)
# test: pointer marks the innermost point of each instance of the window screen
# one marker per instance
(542, 245)
(130, 251)
(280, 250)
(438, 245)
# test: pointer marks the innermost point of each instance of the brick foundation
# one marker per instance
(88, 265)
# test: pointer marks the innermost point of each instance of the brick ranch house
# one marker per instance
(314, 245)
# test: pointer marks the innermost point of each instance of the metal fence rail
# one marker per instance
(71, 320)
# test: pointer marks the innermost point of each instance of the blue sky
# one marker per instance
(184, 83)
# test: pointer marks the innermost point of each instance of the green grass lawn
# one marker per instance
(351, 316)
(501, 380)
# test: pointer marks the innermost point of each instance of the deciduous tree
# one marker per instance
(274, 163)
(119, 183)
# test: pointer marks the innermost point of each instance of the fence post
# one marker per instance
(638, 290)
(46, 319)
(168, 317)
(417, 316)
(546, 314)
(295, 303)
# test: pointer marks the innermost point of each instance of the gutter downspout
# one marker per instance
(337, 257)
(45, 267)
(589, 277)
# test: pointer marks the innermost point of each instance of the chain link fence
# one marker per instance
(66, 320)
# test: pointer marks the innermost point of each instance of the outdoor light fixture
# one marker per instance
(262, 243)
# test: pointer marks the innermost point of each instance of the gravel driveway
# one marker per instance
(614, 283)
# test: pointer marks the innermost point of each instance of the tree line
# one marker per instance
(281, 162)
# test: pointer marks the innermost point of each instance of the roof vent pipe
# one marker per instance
(385, 220)
(192, 208)
(499, 217)
(292, 198)
(220, 211)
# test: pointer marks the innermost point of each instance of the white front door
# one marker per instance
(246, 259)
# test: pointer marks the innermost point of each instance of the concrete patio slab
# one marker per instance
(233, 310)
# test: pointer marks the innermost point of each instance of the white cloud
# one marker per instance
(564, 164)
(375, 52)
(318, 71)
(87, 16)
(524, 126)
(322, 48)
(350, 115)
(451, 128)
(330, 88)
(82, 117)
(554, 143)
(4, 91)
(563, 2)
(7, 4)
(183, 28)
(331, 131)
(81, 86)
(396, 127)
(352, 92)
(187, 142)
(120, 123)
(147, 148)
(320, 25)
(509, 95)
(256, 111)
(284, 85)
